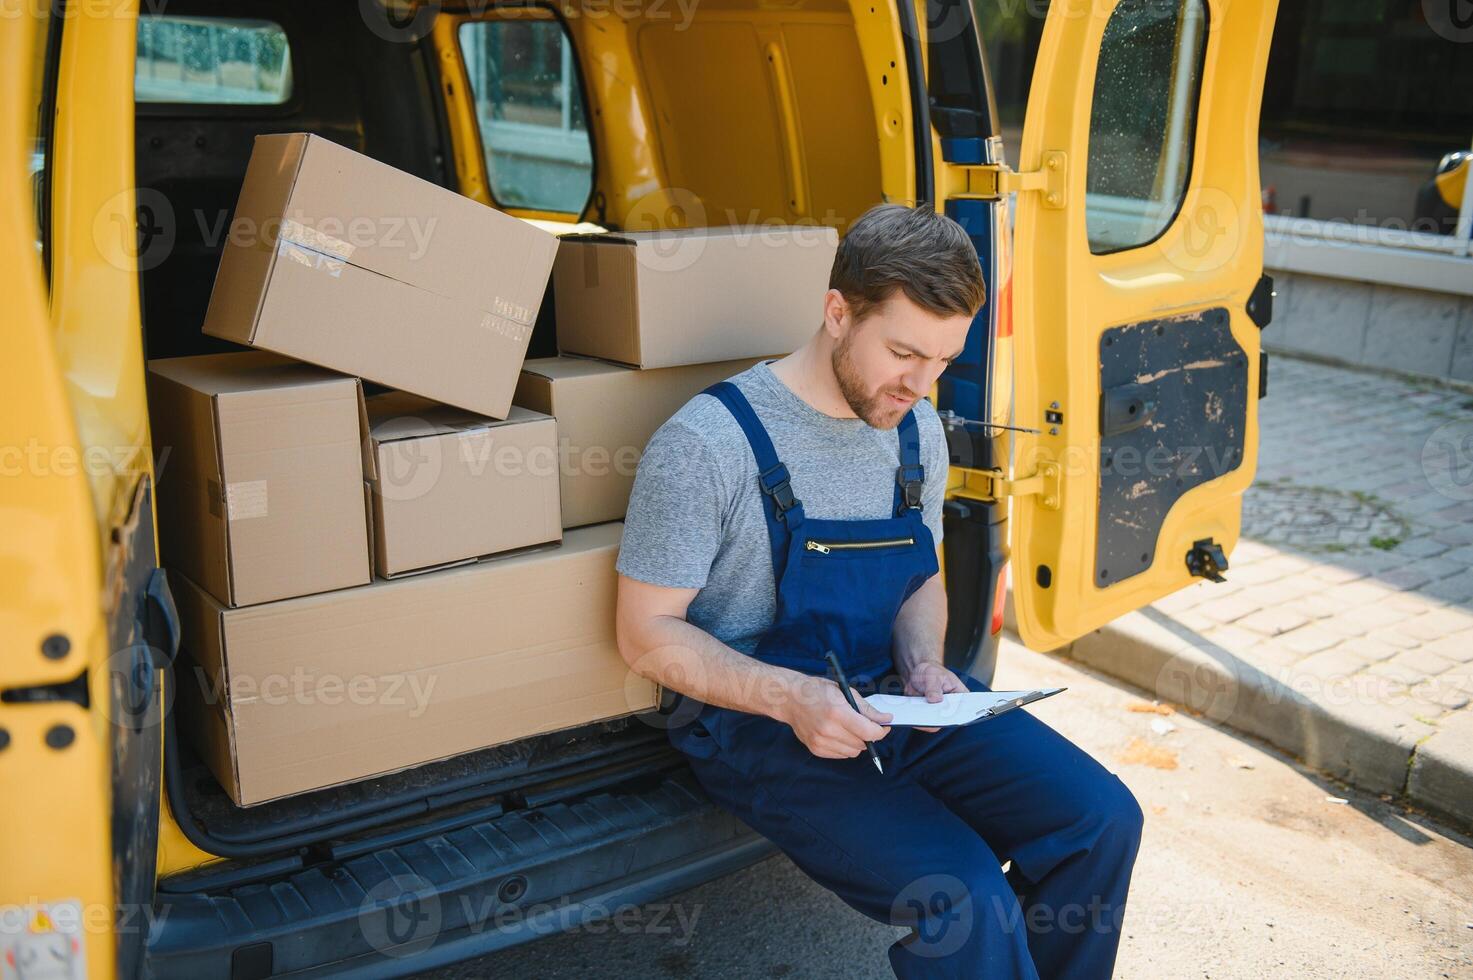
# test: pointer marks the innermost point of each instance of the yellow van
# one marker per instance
(1103, 423)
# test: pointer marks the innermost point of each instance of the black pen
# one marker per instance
(843, 682)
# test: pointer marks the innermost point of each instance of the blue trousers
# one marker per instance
(922, 844)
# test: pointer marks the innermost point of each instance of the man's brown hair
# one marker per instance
(916, 250)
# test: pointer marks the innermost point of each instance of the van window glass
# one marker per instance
(1143, 120)
(529, 108)
(212, 61)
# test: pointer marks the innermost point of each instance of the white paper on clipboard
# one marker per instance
(953, 709)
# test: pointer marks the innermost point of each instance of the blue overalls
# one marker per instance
(921, 845)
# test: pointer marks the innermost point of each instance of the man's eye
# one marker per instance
(902, 356)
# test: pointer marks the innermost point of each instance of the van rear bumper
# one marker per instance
(457, 894)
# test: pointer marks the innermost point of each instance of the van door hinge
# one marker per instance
(994, 180)
(990, 486)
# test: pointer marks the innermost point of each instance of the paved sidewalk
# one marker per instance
(1344, 632)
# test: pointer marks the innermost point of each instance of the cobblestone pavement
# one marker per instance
(1352, 582)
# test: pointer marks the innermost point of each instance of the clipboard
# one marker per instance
(954, 710)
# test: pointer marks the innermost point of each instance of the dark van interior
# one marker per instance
(193, 158)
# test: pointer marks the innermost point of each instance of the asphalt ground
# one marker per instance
(1251, 866)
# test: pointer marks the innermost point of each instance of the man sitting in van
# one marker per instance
(793, 512)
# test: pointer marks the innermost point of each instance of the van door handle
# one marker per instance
(1127, 407)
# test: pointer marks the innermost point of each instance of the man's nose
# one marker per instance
(920, 379)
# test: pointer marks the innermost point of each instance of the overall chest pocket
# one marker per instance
(852, 549)
(857, 583)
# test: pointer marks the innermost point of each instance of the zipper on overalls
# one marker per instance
(824, 547)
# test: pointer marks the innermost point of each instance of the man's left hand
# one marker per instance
(930, 680)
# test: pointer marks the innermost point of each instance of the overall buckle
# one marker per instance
(912, 480)
(774, 483)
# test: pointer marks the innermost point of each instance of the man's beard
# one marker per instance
(876, 408)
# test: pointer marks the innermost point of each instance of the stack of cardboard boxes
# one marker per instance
(371, 583)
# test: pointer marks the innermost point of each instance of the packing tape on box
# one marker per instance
(590, 266)
(309, 258)
(245, 499)
(312, 248)
(319, 250)
(299, 234)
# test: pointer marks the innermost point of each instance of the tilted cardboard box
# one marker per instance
(691, 296)
(605, 415)
(340, 260)
(260, 475)
(308, 693)
(450, 486)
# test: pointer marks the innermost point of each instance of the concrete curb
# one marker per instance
(1368, 745)
(1441, 775)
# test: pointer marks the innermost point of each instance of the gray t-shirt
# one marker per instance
(695, 518)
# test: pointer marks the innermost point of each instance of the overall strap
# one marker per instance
(783, 510)
(910, 477)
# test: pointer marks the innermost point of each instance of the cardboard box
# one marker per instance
(661, 299)
(605, 415)
(449, 485)
(340, 260)
(309, 693)
(260, 495)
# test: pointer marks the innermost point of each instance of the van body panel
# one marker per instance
(1135, 306)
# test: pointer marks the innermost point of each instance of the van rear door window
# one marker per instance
(212, 61)
(529, 108)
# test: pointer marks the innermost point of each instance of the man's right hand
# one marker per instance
(824, 722)
(657, 642)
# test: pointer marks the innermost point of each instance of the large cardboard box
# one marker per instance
(340, 260)
(449, 485)
(605, 415)
(309, 693)
(260, 475)
(661, 299)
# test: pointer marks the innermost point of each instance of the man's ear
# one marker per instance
(838, 319)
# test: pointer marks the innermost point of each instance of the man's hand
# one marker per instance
(930, 680)
(824, 722)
